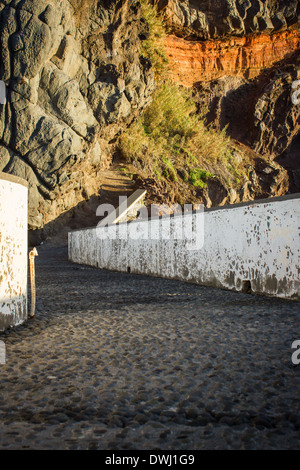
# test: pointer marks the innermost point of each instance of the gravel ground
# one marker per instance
(120, 361)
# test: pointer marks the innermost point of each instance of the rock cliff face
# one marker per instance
(210, 40)
(243, 57)
(259, 112)
(195, 61)
(74, 76)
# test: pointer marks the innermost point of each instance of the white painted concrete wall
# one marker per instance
(13, 250)
(256, 242)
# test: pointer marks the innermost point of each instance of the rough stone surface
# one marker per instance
(258, 112)
(266, 179)
(194, 19)
(74, 76)
(118, 361)
(243, 57)
(254, 245)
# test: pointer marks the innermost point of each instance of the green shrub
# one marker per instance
(152, 47)
(169, 172)
(170, 141)
(171, 129)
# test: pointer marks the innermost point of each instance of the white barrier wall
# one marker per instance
(254, 245)
(13, 250)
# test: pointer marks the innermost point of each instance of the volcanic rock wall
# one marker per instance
(13, 251)
(243, 57)
(74, 76)
(195, 61)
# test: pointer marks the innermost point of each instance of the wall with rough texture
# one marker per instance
(13, 251)
(75, 77)
(245, 246)
(242, 56)
(196, 61)
(205, 19)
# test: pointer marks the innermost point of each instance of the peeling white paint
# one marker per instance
(255, 244)
(13, 251)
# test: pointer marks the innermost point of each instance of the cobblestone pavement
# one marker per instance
(120, 361)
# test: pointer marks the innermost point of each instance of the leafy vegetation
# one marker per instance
(170, 141)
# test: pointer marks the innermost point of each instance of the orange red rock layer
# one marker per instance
(192, 61)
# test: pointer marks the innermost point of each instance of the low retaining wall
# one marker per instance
(13, 250)
(246, 246)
